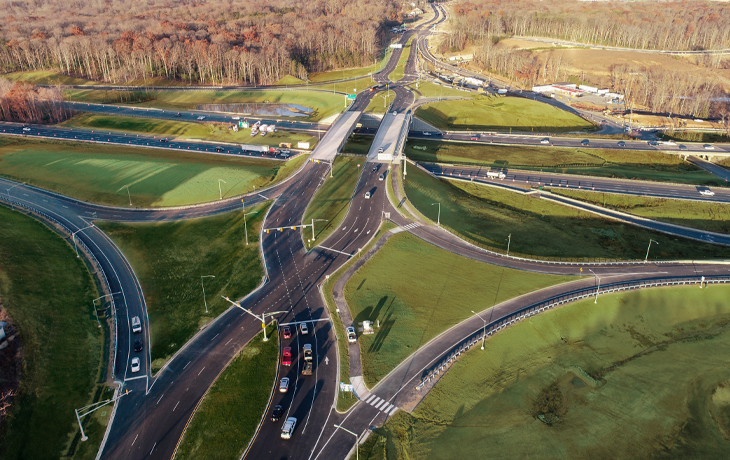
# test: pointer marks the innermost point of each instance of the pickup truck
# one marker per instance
(307, 360)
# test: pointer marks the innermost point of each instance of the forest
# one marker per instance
(697, 25)
(201, 42)
(27, 103)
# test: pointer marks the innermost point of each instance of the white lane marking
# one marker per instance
(187, 364)
(201, 370)
(135, 439)
(215, 336)
(173, 409)
(229, 341)
(153, 448)
(158, 401)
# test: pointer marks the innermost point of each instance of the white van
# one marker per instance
(136, 324)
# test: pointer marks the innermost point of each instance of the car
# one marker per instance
(163, 140)
(219, 149)
(135, 365)
(26, 128)
(669, 143)
(235, 118)
(682, 147)
(136, 324)
(288, 429)
(201, 117)
(653, 143)
(286, 332)
(276, 413)
(708, 147)
(707, 192)
(381, 177)
(475, 138)
(380, 150)
(351, 336)
(426, 133)
(585, 142)
(284, 155)
(367, 195)
(286, 356)
(622, 144)
(395, 113)
(375, 168)
(303, 328)
(178, 114)
(284, 385)
(545, 141)
(138, 345)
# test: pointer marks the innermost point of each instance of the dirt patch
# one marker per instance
(11, 361)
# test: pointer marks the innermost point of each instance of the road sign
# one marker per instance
(351, 97)
(346, 387)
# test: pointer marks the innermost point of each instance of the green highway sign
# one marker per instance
(352, 97)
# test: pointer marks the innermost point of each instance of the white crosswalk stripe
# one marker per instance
(405, 228)
(381, 404)
(375, 401)
(372, 396)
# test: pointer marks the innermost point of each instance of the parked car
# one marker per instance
(303, 328)
(707, 192)
(138, 345)
(286, 332)
(288, 428)
(284, 385)
(286, 356)
(367, 195)
(135, 365)
(276, 413)
(351, 335)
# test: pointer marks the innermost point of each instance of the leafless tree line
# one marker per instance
(27, 103)
(217, 42)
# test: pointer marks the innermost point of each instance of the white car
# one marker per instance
(669, 143)
(288, 428)
(304, 329)
(707, 192)
(284, 385)
(201, 117)
(426, 133)
(367, 195)
(351, 335)
(235, 118)
(545, 141)
(708, 147)
(135, 364)
(381, 177)
(26, 128)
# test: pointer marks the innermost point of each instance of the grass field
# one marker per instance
(50, 77)
(332, 200)
(170, 257)
(320, 77)
(714, 217)
(637, 376)
(48, 293)
(625, 164)
(693, 136)
(486, 215)
(185, 130)
(358, 144)
(227, 418)
(399, 71)
(379, 103)
(95, 173)
(324, 104)
(500, 113)
(416, 291)
(428, 89)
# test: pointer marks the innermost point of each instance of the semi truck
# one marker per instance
(307, 370)
(255, 148)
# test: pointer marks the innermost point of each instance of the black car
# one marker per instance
(138, 345)
(276, 413)
(219, 149)
(178, 114)
(163, 140)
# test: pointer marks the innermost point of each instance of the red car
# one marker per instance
(286, 356)
(475, 138)
(287, 332)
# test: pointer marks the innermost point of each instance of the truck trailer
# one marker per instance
(255, 148)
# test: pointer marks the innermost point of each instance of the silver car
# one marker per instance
(288, 428)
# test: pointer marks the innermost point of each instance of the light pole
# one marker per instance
(93, 305)
(203, 285)
(317, 220)
(86, 410)
(357, 440)
(598, 288)
(245, 227)
(261, 318)
(128, 194)
(647, 249)
(220, 192)
(438, 219)
(484, 332)
(509, 240)
(11, 189)
(73, 237)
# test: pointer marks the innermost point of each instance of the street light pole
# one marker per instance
(438, 219)
(220, 192)
(357, 440)
(509, 240)
(647, 249)
(261, 318)
(598, 288)
(73, 237)
(93, 305)
(484, 332)
(128, 194)
(245, 227)
(86, 410)
(317, 220)
(203, 285)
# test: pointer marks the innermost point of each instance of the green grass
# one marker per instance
(416, 291)
(486, 215)
(714, 217)
(500, 113)
(358, 144)
(185, 130)
(47, 77)
(48, 294)
(624, 164)
(334, 75)
(95, 173)
(323, 104)
(332, 200)
(428, 89)
(227, 418)
(693, 136)
(399, 71)
(170, 257)
(289, 80)
(662, 393)
(379, 104)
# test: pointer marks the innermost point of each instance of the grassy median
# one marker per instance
(332, 199)
(714, 217)
(487, 215)
(624, 164)
(639, 375)
(413, 291)
(227, 418)
(400, 68)
(486, 113)
(169, 259)
(97, 173)
(48, 294)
